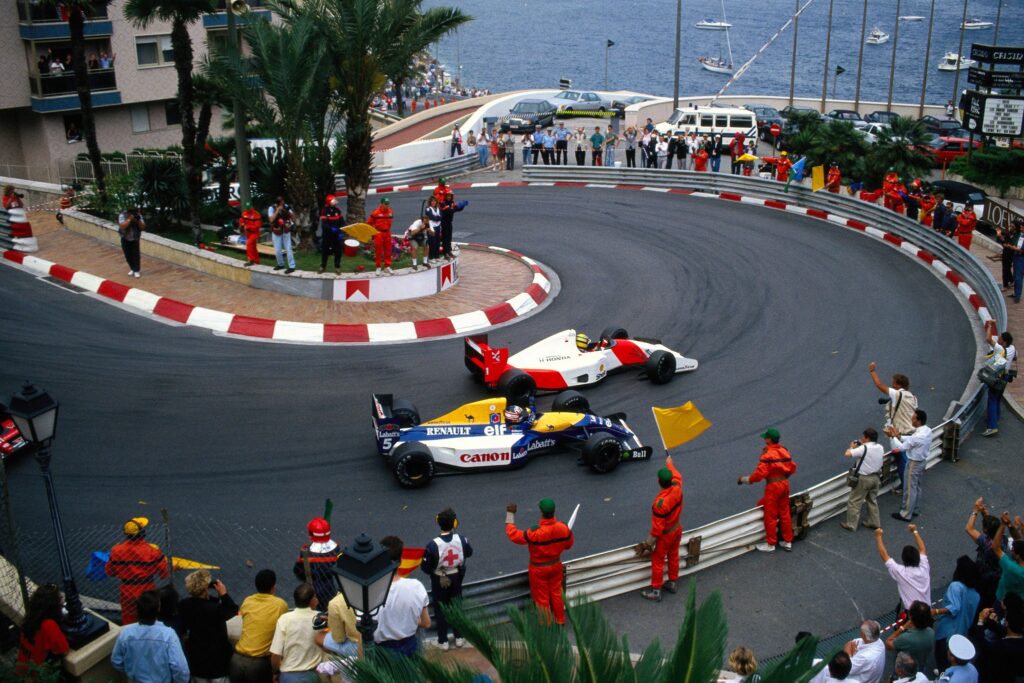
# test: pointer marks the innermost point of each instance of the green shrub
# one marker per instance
(1001, 168)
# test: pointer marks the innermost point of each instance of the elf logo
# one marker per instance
(480, 458)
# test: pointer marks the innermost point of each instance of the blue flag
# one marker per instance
(798, 170)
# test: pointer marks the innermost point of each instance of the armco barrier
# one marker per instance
(615, 572)
(415, 174)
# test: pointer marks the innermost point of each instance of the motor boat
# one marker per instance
(877, 37)
(973, 24)
(912, 17)
(954, 62)
(712, 25)
(716, 64)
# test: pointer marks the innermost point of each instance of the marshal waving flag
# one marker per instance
(680, 424)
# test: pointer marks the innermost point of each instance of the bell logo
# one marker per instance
(479, 458)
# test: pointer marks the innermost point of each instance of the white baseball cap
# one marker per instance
(961, 648)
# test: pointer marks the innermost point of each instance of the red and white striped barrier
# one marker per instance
(21, 231)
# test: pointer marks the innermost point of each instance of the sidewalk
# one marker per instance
(989, 254)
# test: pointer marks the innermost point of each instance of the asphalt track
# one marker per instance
(783, 312)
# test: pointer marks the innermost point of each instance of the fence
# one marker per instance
(416, 174)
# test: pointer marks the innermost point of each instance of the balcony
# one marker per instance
(32, 12)
(43, 22)
(57, 92)
(219, 19)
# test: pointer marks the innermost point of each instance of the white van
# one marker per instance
(724, 121)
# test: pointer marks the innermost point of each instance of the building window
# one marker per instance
(73, 128)
(172, 112)
(154, 50)
(140, 118)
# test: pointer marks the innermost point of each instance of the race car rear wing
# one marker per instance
(385, 425)
(491, 361)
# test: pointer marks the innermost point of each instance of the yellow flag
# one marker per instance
(679, 425)
(817, 178)
(363, 232)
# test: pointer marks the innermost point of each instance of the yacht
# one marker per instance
(718, 64)
(877, 37)
(912, 17)
(954, 62)
(973, 24)
(712, 25)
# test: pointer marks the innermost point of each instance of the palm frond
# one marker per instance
(700, 645)
(380, 665)
(548, 655)
(798, 664)
(602, 656)
(142, 13)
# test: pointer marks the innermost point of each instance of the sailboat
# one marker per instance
(877, 37)
(717, 64)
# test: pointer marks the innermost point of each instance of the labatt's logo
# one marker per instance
(482, 458)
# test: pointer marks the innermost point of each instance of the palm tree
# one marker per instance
(366, 39)
(898, 147)
(284, 86)
(180, 13)
(76, 10)
(529, 649)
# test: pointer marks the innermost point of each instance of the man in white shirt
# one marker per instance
(1004, 354)
(913, 577)
(867, 654)
(869, 456)
(905, 670)
(294, 653)
(900, 405)
(915, 447)
(404, 610)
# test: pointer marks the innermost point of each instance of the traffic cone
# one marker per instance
(21, 231)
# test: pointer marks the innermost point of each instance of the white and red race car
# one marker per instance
(557, 362)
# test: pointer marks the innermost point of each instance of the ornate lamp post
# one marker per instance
(364, 573)
(34, 412)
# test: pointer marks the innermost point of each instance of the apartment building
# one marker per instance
(132, 75)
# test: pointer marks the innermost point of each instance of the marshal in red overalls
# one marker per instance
(136, 563)
(251, 222)
(546, 542)
(775, 467)
(666, 529)
(381, 219)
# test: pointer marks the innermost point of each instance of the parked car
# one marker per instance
(870, 131)
(879, 116)
(940, 126)
(945, 149)
(619, 104)
(579, 100)
(791, 109)
(526, 115)
(962, 193)
(844, 115)
(766, 116)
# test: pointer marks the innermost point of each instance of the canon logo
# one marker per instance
(485, 457)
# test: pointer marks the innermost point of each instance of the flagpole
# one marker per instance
(792, 64)
(892, 67)
(607, 47)
(679, 35)
(927, 56)
(660, 435)
(828, 47)
(959, 55)
(860, 56)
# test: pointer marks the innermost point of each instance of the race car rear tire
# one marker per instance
(405, 412)
(611, 333)
(661, 365)
(570, 401)
(474, 369)
(517, 387)
(602, 453)
(412, 464)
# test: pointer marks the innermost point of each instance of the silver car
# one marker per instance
(579, 100)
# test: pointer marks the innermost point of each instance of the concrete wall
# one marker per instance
(15, 91)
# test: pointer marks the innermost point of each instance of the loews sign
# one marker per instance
(999, 213)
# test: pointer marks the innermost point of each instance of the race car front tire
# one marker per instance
(570, 401)
(412, 464)
(660, 366)
(602, 453)
(611, 333)
(405, 412)
(517, 387)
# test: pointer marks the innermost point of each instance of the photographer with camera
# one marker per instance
(12, 198)
(282, 219)
(864, 480)
(130, 227)
(204, 617)
(900, 405)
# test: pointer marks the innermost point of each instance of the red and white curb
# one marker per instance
(300, 332)
(894, 240)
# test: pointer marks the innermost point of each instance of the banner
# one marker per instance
(817, 178)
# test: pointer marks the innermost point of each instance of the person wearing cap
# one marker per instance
(546, 542)
(331, 219)
(835, 178)
(889, 184)
(251, 222)
(135, 562)
(456, 146)
(928, 205)
(444, 561)
(914, 198)
(441, 190)
(782, 166)
(538, 144)
(562, 135)
(775, 467)
(961, 652)
(321, 553)
(965, 224)
(381, 219)
(448, 208)
(666, 532)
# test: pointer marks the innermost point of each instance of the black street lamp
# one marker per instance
(34, 412)
(364, 573)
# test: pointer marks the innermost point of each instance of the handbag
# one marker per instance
(991, 377)
(853, 476)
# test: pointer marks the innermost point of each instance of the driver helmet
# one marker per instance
(515, 415)
(582, 342)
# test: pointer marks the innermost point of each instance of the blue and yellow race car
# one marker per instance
(481, 436)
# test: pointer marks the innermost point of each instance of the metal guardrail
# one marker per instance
(416, 174)
(618, 571)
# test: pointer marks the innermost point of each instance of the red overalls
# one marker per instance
(700, 160)
(965, 223)
(782, 166)
(666, 530)
(546, 541)
(381, 219)
(835, 180)
(251, 222)
(927, 207)
(888, 188)
(135, 562)
(775, 467)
